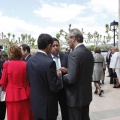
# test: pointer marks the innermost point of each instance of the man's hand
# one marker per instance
(59, 73)
(63, 70)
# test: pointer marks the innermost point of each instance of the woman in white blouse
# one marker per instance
(115, 65)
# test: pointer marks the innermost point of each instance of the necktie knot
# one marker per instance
(56, 56)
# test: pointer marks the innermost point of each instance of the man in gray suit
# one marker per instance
(79, 77)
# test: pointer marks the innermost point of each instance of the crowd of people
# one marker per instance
(35, 84)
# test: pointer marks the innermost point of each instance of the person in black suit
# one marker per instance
(108, 59)
(25, 49)
(44, 81)
(4, 57)
(62, 61)
(79, 78)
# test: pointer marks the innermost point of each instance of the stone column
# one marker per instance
(119, 24)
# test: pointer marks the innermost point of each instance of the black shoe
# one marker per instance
(96, 92)
(100, 94)
(111, 83)
(117, 86)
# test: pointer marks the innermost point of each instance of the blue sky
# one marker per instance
(49, 16)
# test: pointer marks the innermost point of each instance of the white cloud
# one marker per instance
(18, 27)
(0, 13)
(59, 13)
(76, 14)
(90, 19)
(107, 6)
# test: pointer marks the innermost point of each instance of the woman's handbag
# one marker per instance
(3, 96)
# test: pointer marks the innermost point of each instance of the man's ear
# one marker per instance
(50, 45)
(73, 38)
(26, 50)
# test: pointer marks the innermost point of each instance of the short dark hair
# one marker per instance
(25, 47)
(15, 52)
(97, 50)
(44, 40)
(55, 39)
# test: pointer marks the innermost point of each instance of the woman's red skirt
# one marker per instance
(19, 110)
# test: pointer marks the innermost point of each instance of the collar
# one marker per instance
(42, 52)
(55, 55)
(27, 56)
(78, 45)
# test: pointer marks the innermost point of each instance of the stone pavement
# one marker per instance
(106, 107)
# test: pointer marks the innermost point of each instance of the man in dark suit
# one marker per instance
(108, 59)
(44, 81)
(4, 57)
(25, 49)
(79, 77)
(62, 63)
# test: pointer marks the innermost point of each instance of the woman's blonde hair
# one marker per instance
(116, 49)
(15, 52)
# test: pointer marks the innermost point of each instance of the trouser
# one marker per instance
(79, 113)
(36, 118)
(2, 110)
(63, 104)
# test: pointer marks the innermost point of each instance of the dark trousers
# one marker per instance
(79, 113)
(2, 110)
(111, 77)
(63, 104)
(36, 118)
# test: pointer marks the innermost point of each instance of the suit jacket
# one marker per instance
(108, 57)
(44, 86)
(28, 58)
(99, 65)
(15, 80)
(79, 77)
(115, 61)
(63, 59)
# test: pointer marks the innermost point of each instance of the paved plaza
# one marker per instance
(106, 107)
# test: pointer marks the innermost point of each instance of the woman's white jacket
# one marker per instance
(115, 61)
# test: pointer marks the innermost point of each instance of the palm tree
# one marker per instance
(18, 39)
(13, 37)
(23, 38)
(2, 35)
(9, 35)
(26, 37)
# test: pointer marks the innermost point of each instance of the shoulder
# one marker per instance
(5, 64)
(62, 54)
(80, 50)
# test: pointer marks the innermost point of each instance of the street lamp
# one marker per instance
(114, 26)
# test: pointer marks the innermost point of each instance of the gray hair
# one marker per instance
(77, 34)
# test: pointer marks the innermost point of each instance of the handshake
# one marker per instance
(61, 71)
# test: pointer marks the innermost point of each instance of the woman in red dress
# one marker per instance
(14, 79)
